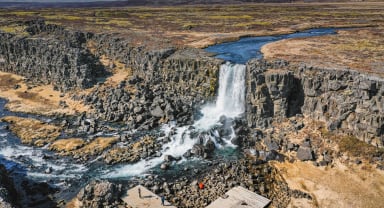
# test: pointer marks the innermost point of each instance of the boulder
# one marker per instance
(157, 112)
(305, 153)
(237, 140)
(198, 150)
(169, 158)
(209, 146)
(7, 192)
(100, 194)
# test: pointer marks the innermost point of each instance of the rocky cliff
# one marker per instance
(164, 86)
(186, 71)
(167, 83)
(348, 101)
(51, 55)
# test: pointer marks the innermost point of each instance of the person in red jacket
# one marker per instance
(201, 185)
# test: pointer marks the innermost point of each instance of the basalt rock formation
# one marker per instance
(168, 84)
(348, 101)
(100, 194)
(162, 89)
(50, 55)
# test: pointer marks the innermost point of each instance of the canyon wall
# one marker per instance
(348, 101)
(185, 71)
(50, 55)
(168, 83)
(164, 85)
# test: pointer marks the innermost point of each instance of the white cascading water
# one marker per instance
(230, 103)
(32, 159)
(231, 97)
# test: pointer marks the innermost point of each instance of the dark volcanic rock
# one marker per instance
(7, 192)
(305, 153)
(349, 101)
(262, 179)
(51, 59)
(157, 112)
(100, 194)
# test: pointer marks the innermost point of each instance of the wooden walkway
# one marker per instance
(240, 197)
(148, 199)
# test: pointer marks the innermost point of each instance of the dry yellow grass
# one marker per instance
(341, 183)
(67, 145)
(188, 25)
(96, 146)
(7, 81)
(360, 49)
(32, 131)
(340, 187)
(130, 153)
(40, 99)
(119, 71)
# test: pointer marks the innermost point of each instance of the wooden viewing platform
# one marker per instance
(148, 199)
(240, 197)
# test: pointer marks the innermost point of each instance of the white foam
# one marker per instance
(41, 175)
(230, 103)
(60, 168)
(134, 169)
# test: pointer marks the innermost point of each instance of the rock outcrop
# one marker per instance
(165, 84)
(262, 179)
(348, 101)
(100, 194)
(50, 55)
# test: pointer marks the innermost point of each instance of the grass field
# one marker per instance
(185, 24)
(203, 25)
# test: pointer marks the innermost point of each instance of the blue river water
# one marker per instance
(248, 48)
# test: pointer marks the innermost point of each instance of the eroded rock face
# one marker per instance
(57, 57)
(269, 93)
(350, 102)
(100, 194)
(164, 86)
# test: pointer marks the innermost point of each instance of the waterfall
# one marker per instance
(230, 103)
(232, 89)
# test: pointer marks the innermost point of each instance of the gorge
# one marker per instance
(164, 110)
